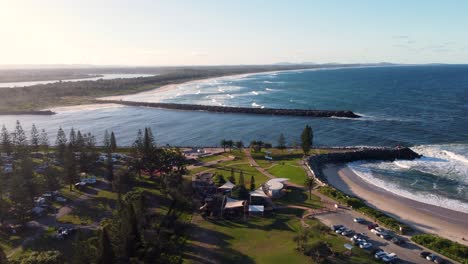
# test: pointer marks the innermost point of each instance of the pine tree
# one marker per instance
(232, 178)
(281, 142)
(82, 250)
(252, 183)
(106, 253)
(20, 141)
(34, 138)
(72, 139)
(80, 141)
(61, 144)
(6, 141)
(110, 167)
(148, 141)
(113, 142)
(106, 141)
(306, 139)
(3, 257)
(241, 179)
(44, 141)
(22, 190)
(70, 167)
(130, 231)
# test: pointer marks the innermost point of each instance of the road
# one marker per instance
(408, 253)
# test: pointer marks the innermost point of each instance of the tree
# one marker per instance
(230, 144)
(113, 142)
(61, 144)
(281, 142)
(219, 179)
(22, 188)
(306, 139)
(70, 167)
(20, 141)
(106, 141)
(6, 141)
(72, 139)
(80, 141)
(106, 253)
(239, 145)
(44, 141)
(34, 138)
(252, 183)
(232, 178)
(110, 167)
(310, 184)
(224, 144)
(148, 141)
(241, 179)
(3, 257)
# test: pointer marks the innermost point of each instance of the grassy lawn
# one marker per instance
(290, 170)
(257, 240)
(296, 196)
(248, 171)
(285, 164)
(270, 239)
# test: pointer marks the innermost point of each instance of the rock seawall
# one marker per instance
(241, 110)
(316, 163)
(45, 112)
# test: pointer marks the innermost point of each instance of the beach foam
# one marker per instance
(366, 174)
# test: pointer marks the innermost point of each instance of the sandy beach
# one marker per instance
(425, 217)
(169, 87)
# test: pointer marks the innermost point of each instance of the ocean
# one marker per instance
(424, 107)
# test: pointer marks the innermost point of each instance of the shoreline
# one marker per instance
(169, 87)
(424, 217)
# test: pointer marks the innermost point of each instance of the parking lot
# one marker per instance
(407, 253)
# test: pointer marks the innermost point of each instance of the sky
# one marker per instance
(205, 32)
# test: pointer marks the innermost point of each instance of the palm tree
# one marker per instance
(310, 184)
(224, 144)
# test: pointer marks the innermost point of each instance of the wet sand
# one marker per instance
(425, 217)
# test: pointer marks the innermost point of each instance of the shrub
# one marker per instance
(43, 257)
(446, 247)
(360, 206)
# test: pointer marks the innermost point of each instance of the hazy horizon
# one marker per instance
(179, 33)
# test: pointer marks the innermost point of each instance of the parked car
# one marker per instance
(389, 258)
(365, 245)
(359, 220)
(380, 254)
(439, 260)
(347, 232)
(340, 230)
(385, 236)
(336, 227)
(424, 254)
(60, 199)
(431, 257)
(397, 241)
(372, 226)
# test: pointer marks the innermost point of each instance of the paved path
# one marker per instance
(211, 163)
(255, 164)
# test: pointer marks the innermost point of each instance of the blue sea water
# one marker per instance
(425, 107)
